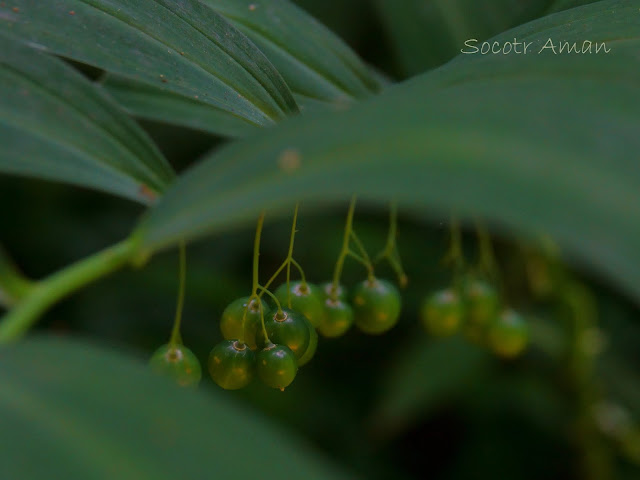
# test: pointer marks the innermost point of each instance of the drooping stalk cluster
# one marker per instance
(472, 303)
(271, 332)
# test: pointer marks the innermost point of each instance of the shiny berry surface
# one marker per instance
(177, 362)
(508, 335)
(482, 303)
(311, 349)
(290, 328)
(338, 318)
(232, 364)
(277, 366)
(231, 323)
(376, 306)
(305, 298)
(442, 313)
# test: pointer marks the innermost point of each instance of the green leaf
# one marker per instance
(560, 5)
(425, 34)
(321, 70)
(550, 149)
(181, 46)
(426, 375)
(55, 124)
(153, 103)
(73, 410)
(313, 61)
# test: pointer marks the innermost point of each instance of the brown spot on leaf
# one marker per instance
(147, 193)
(289, 160)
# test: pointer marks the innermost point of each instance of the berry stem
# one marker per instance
(256, 254)
(47, 292)
(301, 271)
(390, 251)
(273, 297)
(176, 338)
(455, 255)
(348, 227)
(487, 260)
(289, 259)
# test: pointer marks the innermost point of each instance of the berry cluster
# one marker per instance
(272, 334)
(474, 307)
(272, 342)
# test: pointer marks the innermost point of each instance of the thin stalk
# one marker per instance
(176, 338)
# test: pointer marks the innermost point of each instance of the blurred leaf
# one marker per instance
(426, 375)
(313, 61)
(547, 143)
(427, 33)
(180, 46)
(559, 5)
(71, 410)
(55, 124)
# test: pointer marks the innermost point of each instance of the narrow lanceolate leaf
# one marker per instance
(553, 149)
(313, 61)
(153, 103)
(180, 46)
(77, 411)
(56, 125)
(321, 70)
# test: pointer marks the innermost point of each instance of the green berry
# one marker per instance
(376, 306)
(234, 316)
(305, 298)
(277, 366)
(232, 364)
(177, 362)
(338, 318)
(311, 349)
(326, 290)
(442, 312)
(508, 335)
(482, 303)
(290, 328)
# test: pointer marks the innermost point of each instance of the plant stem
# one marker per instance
(348, 228)
(176, 338)
(47, 292)
(13, 285)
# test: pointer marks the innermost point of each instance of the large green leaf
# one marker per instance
(180, 46)
(73, 410)
(552, 149)
(55, 124)
(426, 33)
